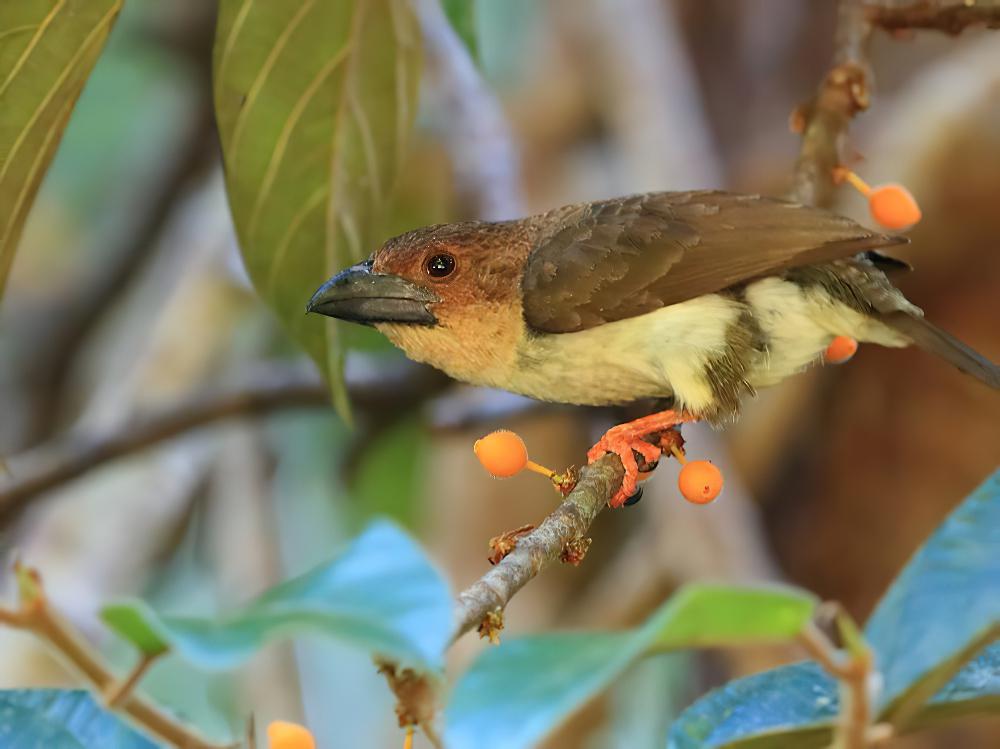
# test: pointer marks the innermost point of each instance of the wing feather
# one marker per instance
(598, 262)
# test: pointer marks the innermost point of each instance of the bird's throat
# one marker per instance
(477, 348)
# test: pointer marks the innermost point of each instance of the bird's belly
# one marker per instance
(595, 381)
(798, 324)
(792, 330)
(656, 355)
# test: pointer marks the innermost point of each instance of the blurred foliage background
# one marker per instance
(129, 295)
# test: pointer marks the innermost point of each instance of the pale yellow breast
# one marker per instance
(656, 355)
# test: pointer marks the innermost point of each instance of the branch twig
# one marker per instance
(36, 616)
(948, 16)
(823, 121)
(853, 671)
(60, 462)
(538, 549)
(847, 88)
(115, 697)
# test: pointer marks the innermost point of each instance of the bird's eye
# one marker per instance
(440, 266)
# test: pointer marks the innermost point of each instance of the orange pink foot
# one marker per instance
(625, 440)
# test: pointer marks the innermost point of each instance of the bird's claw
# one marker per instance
(626, 444)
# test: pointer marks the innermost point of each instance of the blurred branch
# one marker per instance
(58, 463)
(463, 408)
(483, 155)
(846, 89)
(566, 525)
(416, 699)
(949, 16)
(854, 671)
(824, 120)
(35, 615)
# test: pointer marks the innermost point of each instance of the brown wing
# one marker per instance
(619, 258)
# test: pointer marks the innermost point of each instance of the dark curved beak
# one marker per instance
(360, 295)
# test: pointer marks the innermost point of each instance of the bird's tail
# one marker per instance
(929, 337)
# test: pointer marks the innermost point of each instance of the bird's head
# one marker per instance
(448, 295)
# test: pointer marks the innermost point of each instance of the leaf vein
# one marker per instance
(314, 201)
(368, 145)
(32, 43)
(6, 243)
(265, 70)
(281, 145)
(234, 32)
(85, 47)
(335, 179)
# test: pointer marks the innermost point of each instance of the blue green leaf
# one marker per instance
(381, 594)
(62, 719)
(944, 606)
(942, 609)
(518, 692)
(795, 706)
(790, 706)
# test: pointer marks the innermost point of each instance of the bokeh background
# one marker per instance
(128, 295)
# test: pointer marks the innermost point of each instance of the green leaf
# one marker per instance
(394, 493)
(381, 594)
(943, 608)
(793, 707)
(47, 50)
(716, 615)
(462, 16)
(62, 719)
(132, 621)
(314, 100)
(516, 693)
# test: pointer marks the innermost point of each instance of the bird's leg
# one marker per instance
(623, 439)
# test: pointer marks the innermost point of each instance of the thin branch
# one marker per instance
(58, 463)
(120, 691)
(948, 16)
(853, 672)
(846, 89)
(534, 552)
(484, 600)
(416, 699)
(823, 121)
(36, 616)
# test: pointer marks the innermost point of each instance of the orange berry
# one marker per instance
(502, 453)
(893, 207)
(700, 481)
(840, 350)
(284, 735)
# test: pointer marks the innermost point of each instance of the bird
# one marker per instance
(695, 298)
